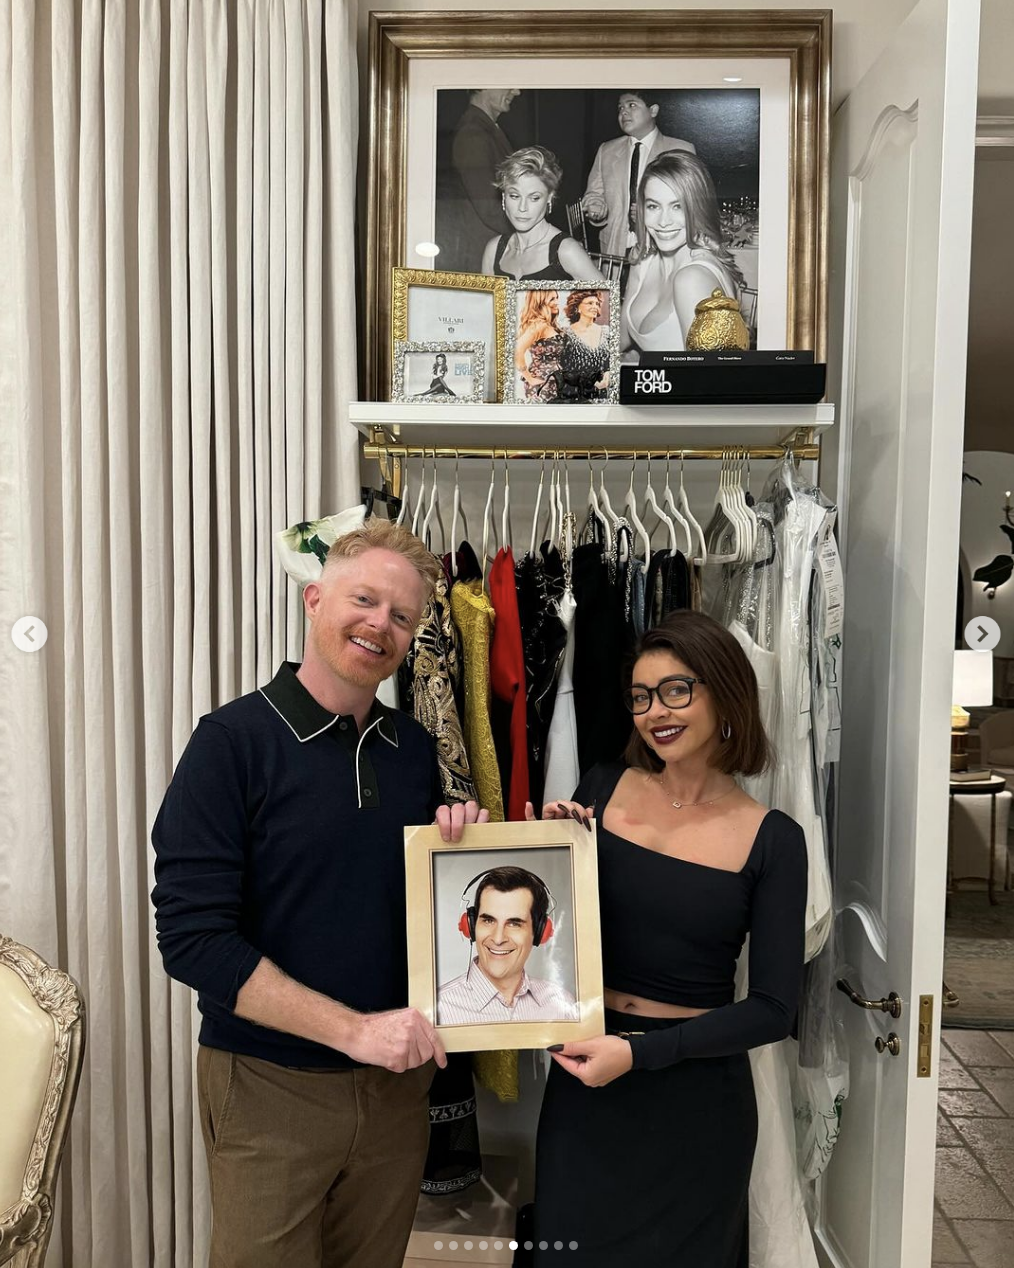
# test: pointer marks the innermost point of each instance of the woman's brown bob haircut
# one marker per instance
(712, 653)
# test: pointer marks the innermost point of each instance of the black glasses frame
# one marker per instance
(654, 691)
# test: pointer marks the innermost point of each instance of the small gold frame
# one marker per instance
(403, 279)
(498, 839)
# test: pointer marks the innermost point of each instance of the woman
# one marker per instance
(584, 357)
(647, 1134)
(539, 344)
(536, 251)
(438, 385)
(679, 258)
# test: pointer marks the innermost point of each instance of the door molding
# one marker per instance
(994, 129)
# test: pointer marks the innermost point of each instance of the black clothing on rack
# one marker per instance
(544, 641)
(603, 724)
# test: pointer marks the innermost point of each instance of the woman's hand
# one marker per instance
(563, 810)
(596, 1061)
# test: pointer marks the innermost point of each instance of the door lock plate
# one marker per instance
(924, 1063)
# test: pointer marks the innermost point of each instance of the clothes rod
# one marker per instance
(714, 453)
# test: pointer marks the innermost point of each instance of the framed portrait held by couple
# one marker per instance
(669, 153)
(503, 934)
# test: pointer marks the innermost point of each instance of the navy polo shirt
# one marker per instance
(282, 834)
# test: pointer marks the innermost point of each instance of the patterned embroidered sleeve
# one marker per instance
(436, 672)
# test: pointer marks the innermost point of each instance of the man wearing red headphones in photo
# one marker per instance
(509, 918)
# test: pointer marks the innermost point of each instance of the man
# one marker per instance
(471, 213)
(280, 896)
(610, 198)
(509, 918)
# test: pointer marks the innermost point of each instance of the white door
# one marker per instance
(903, 154)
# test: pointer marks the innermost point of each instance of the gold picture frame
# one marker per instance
(403, 329)
(403, 45)
(563, 974)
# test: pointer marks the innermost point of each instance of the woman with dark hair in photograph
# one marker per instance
(438, 384)
(679, 258)
(647, 1134)
(584, 357)
(539, 344)
(536, 251)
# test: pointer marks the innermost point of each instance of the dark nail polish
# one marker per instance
(587, 824)
(574, 815)
(555, 1047)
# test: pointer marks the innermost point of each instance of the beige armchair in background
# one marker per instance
(41, 1046)
(996, 742)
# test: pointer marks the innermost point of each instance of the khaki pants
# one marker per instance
(311, 1168)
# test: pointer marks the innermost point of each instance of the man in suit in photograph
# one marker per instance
(473, 213)
(611, 193)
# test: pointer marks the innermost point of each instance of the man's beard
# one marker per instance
(348, 663)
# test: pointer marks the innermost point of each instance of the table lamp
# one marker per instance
(973, 685)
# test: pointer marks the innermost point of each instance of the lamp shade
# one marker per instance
(973, 678)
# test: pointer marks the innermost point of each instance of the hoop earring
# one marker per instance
(726, 730)
(503, 202)
(549, 206)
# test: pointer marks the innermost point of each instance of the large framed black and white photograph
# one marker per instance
(438, 373)
(429, 306)
(674, 153)
(503, 934)
(563, 341)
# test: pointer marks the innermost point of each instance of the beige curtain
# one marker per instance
(177, 347)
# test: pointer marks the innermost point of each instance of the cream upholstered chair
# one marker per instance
(41, 1047)
(996, 739)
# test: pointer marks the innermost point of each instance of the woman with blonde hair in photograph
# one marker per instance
(539, 344)
(680, 256)
(536, 251)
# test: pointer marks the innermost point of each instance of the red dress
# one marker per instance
(507, 676)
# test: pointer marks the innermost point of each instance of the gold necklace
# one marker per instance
(683, 805)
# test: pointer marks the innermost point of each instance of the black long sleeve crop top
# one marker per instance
(672, 931)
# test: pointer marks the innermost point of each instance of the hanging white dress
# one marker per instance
(562, 773)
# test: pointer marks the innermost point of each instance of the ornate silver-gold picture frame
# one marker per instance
(504, 947)
(562, 342)
(428, 306)
(438, 373)
(419, 59)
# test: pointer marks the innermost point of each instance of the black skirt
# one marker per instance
(653, 1169)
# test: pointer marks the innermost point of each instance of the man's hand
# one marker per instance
(452, 819)
(397, 1041)
(596, 1061)
(594, 208)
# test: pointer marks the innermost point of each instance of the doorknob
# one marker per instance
(892, 1004)
(892, 1044)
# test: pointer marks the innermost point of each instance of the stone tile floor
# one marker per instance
(974, 1215)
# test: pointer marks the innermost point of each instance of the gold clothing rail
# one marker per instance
(808, 452)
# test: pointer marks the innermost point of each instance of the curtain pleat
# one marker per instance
(177, 350)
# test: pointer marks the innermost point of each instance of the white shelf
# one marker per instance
(592, 426)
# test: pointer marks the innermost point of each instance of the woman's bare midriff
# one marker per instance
(620, 1002)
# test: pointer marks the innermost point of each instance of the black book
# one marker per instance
(730, 356)
(719, 384)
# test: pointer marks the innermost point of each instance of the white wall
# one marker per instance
(861, 27)
(982, 540)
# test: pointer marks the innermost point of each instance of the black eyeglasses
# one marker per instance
(675, 693)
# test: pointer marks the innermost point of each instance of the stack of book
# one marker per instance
(974, 775)
(758, 377)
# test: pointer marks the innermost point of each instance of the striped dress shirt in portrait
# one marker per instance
(472, 1000)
